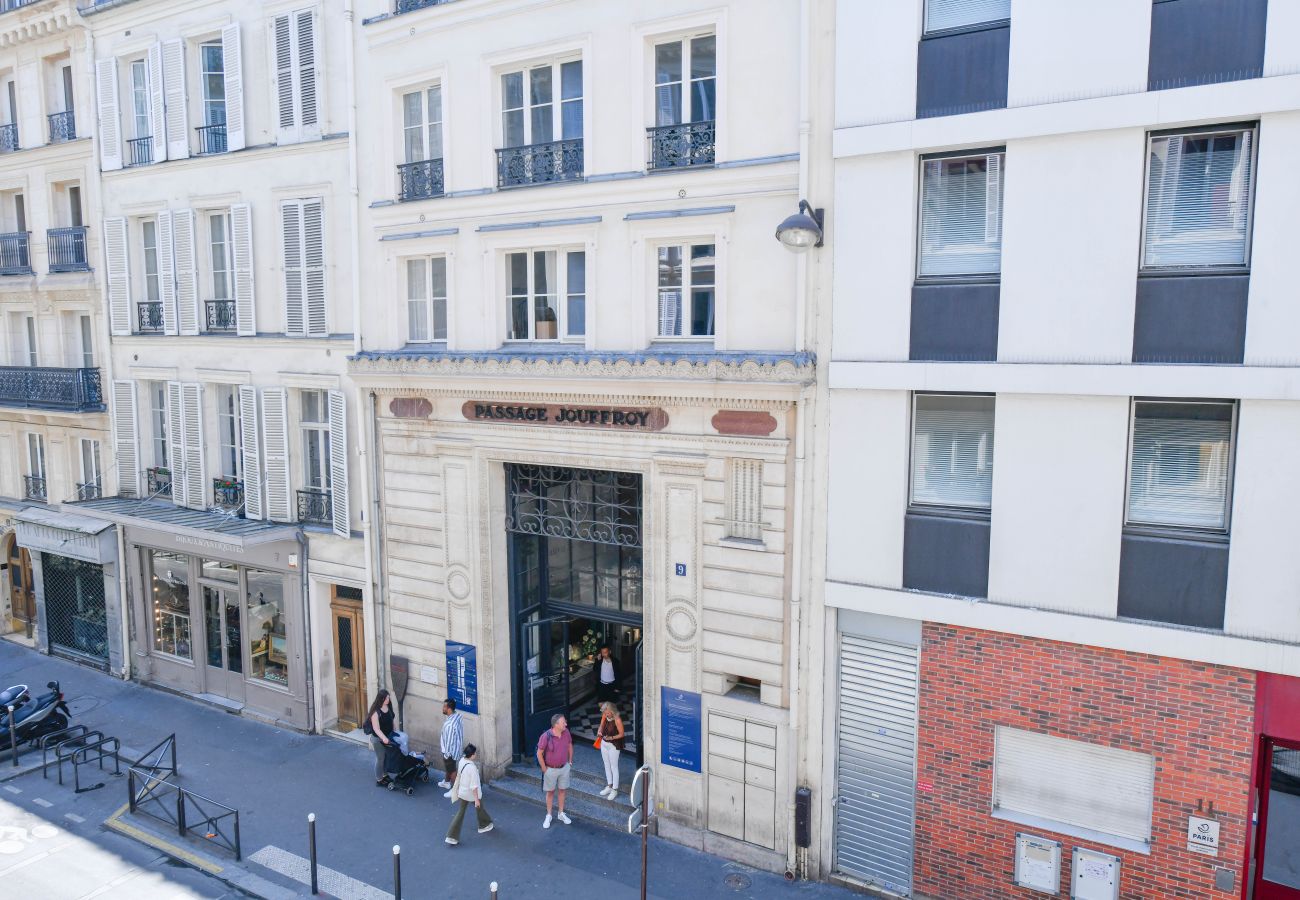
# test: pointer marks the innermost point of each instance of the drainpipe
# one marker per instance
(377, 534)
(308, 652)
(124, 598)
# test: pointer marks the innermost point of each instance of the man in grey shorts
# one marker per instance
(555, 756)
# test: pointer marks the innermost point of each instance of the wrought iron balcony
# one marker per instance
(15, 255)
(139, 151)
(90, 491)
(212, 138)
(315, 508)
(228, 493)
(219, 315)
(67, 249)
(63, 127)
(158, 481)
(406, 6)
(149, 317)
(683, 145)
(540, 163)
(7, 5)
(419, 180)
(43, 387)
(34, 488)
(8, 138)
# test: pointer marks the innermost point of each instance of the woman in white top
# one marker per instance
(465, 790)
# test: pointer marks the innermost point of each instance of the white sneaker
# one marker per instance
(451, 841)
(486, 829)
(444, 783)
(613, 793)
(565, 819)
(447, 795)
(546, 823)
(608, 791)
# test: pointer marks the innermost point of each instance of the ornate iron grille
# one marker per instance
(581, 504)
(679, 146)
(139, 151)
(219, 315)
(15, 253)
(39, 387)
(63, 127)
(420, 179)
(228, 493)
(405, 6)
(212, 138)
(315, 508)
(74, 606)
(540, 163)
(67, 248)
(34, 488)
(159, 481)
(149, 317)
(8, 138)
(89, 491)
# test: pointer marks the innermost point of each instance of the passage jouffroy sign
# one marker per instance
(569, 415)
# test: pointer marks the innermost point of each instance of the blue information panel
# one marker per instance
(462, 676)
(679, 729)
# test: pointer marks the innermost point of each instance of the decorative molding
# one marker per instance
(750, 423)
(51, 23)
(461, 392)
(681, 623)
(458, 582)
(410, 407)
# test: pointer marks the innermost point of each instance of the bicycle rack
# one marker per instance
(63, 750)
(81, 756)
(54, 738)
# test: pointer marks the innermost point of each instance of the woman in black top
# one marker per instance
(379, 723)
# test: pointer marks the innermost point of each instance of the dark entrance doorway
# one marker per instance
(575, 547)
(22, 596)
(1277, 837)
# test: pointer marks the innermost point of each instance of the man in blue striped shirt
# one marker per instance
(453, 739)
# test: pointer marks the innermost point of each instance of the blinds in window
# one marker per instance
(1181, 456)
(745, 499)
(952, 450)
(961, 215)
(943, 14)
(1198, 199)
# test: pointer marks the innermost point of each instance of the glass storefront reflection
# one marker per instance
(268, 649)
(171, 603)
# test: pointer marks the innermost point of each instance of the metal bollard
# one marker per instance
(13, 738)
(397, 872)
(493, 887)
(311, 849)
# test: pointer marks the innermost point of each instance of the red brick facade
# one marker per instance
(1195, 719)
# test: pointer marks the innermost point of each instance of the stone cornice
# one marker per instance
(24, 24)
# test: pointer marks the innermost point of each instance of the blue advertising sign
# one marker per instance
(462, 676)
(679, 729)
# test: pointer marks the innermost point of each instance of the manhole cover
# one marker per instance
(737, 882)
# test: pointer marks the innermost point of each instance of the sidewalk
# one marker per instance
(276, 777)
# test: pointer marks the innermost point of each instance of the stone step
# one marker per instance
(578, 804)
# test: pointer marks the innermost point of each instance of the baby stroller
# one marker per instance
(405, 769)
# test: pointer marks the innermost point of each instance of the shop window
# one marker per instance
(171, 603)
(267, 630)
(220, 571)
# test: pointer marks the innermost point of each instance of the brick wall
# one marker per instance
(1195, 719)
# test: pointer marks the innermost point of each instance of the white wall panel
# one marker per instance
(1065, 51)
(1273, 313)
(1282, 39)
(875, 61)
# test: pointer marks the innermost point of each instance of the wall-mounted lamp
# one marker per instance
(803, 229)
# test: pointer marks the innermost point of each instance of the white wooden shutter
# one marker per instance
(117, 276)
(251, 453)
(167, 272)
(187, 273)
(192, 429)
(287, 115)
(313, 259)
(176, 442)
(275, 446)
(241, 240)
(157, 104)
(173, 71)
(110, 125)
(308, 85)
(126, 438)
(993, 198)
(339, 463)
(233, 67)
(1074, 782)
(745, 499)
(291, 222)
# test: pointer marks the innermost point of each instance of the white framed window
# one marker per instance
(961, 214)
(745, 499)
(315, 425)
(212, 78)
(1200, 188)
(35, 454)
(149, 252)
(1180, 463)
(422, 124)
(542, 103)
(86, 336)
(92, 474)
(158, 422)
(297, 88)
(546, 293)
(229, 445)
(223, 267)
(942, 15)
(952, 450)
(686, 80)
(32, 348)
(686, 289)
(141, 123)
(426, 299)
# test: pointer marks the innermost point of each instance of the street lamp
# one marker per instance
(803, 229)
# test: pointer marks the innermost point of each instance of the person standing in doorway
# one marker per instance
(555, 755)
(607, 675)
(610, 734)
(453, 738)
(379, 725)
(467, 788)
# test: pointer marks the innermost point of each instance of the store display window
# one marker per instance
(266, 627)
(170, 582)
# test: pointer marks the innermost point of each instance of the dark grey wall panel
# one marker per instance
(957, 322)
(1182, 582)
(946, 555)
(1192, 319)
(1205, 41)
(962, 72)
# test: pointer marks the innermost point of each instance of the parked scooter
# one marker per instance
(33, 719)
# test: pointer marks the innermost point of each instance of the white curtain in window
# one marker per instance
(1198, 199)
(952, 450)
(944, 14)
(1178, 475)
(961, 215)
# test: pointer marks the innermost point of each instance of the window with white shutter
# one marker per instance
(232, 66)
(241, 241)
(303, 230)
(167, 272)
(745, 499)
(291, 227)
(338, 462)
(961, 215)
(117, 276)
(110, 126)
(157, 105)
(174, 99)
(942, 15)
(250, 447)
(176, 442)
(275, 449)
(1180, 464)
(192, 435)
(186, 270)
(126, 437)
(297, 85)
(952, 450)
(1067, 785)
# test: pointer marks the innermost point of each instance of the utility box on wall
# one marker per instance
(1038, 863)
(1094, 875)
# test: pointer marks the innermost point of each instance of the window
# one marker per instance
(295, 76)
(303, 224)
(961, 215)
(686, 290)
(87, 342)
(686, 77)
(158, 421)
(745, 499)
(149, 245)
(222, 266)
(35, 455)
(171, 603)
(140, 121)
(422, 124)
(952, 450)
(228, 442)
(426, 299)
(33, 352)
(536, 283)
(1180, 464)
(91, 473)
(941, 15)
(530, 105)
(1198, 207)
(267, 629)
(213, 78)
(315, 441)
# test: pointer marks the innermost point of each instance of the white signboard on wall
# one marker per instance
(1203, 835)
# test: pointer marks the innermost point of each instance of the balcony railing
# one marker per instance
(158, 481)
(90, 491)
(212, 138)
(42, 387)
(63, 127)
(219, 315)
(315, 508)
(139, 151)
(228, 493)
(15, 255)
(419, 180)
(7, 5)
(681, 146)
(34, 488)
(8, 138)
(149, 317)
(540, 163)
(67, 249)
(406, 6)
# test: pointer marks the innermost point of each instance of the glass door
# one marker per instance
(544, 646)
(1277, 840)
(223, 634)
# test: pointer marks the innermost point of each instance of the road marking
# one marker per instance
(333, 883)
(115, 822)
(39, 802)
(13, 790)
(74, 817)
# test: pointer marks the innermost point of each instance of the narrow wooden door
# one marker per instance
(22, 598)
(349, 662)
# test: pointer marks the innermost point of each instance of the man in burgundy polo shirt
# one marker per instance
(555, 755)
